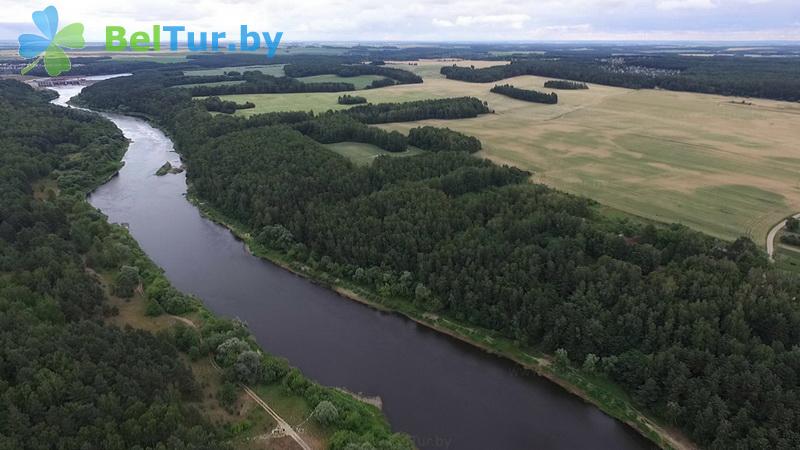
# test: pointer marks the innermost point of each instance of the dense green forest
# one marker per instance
(700, 332)
(69, 381)
(528, 95)
(66, 380)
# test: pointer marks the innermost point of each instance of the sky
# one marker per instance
(432, 20)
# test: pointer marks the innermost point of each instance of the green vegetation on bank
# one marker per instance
(67, 380)
(70, 289)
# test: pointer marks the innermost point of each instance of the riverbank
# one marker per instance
(598, 391)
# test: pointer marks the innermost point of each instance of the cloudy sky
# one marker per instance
(433, 20)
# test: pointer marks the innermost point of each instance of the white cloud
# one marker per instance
(669, 5)
(511, 20)
(443, 23)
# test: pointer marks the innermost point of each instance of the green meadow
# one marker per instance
(364, 154)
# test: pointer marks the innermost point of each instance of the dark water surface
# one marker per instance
(442, 392)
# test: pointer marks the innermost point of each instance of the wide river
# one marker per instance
(444, 393)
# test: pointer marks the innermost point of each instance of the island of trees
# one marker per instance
(564, 84)
(528, 95)
(348, 99)
(442, 140)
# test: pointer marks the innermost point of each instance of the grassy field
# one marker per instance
(710, 162)
(364, 154)
(360, 82)
(787, 258)
(275, 70)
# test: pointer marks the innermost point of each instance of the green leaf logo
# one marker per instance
(50, 45)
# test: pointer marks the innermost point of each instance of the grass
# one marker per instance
(787, 258)
(364, 154)
(360, 82)
(275, 70)
(719, 167)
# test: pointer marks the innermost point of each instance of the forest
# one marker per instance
(528, 95)
(68, 380)
(701, 333)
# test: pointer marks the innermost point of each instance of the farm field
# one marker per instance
(364, 154)
(709, 162)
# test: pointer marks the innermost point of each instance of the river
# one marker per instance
(444, 393)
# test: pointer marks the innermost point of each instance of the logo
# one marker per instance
(49, 47)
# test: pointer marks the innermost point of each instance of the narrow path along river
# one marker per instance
(444, 393)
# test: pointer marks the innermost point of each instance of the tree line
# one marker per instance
(528, 95)
(400, 76)
(446, 108)
(258, 83)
